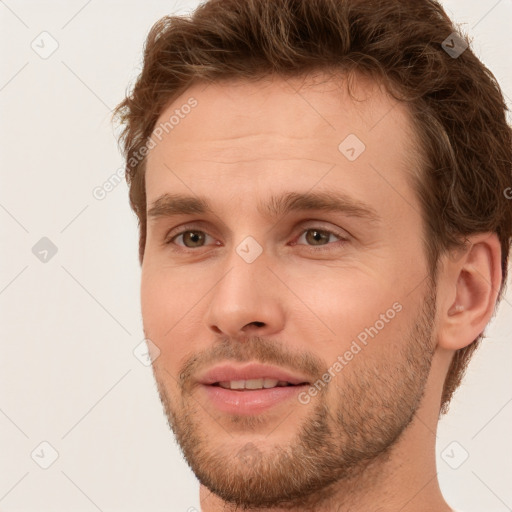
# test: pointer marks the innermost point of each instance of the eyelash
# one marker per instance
(187, 229)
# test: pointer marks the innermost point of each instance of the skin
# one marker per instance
(242, 143)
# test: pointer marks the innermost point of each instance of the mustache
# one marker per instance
(254, 349)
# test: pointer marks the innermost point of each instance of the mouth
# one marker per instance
(250, 389)
(252, 384)
(251, 401)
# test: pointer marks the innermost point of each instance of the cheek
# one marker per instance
(155, 298)
(362, 317)
(167, 309)
(166, 296)
(346, 300)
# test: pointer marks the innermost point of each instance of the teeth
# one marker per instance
(252, 384)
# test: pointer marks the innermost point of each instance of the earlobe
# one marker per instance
(472, 283)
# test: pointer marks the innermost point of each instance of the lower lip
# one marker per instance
(250, 401)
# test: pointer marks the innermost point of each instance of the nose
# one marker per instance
(247, 301)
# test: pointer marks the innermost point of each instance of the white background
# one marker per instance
(69, 326)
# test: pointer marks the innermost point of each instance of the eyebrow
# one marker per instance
(170, 205)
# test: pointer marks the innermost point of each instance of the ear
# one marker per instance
(470, 285)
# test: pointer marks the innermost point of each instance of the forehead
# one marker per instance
(277, 124)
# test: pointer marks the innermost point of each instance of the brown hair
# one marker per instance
(455, 102)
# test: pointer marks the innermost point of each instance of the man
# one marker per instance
(324, 236)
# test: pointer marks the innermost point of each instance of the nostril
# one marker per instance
(257, 324)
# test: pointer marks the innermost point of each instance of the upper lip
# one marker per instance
(229, 372)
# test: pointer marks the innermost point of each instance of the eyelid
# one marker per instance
(183, 228)
(318, 224)
(301, 228)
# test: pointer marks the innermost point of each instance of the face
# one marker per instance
(285, 284)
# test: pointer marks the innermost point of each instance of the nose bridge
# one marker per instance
(247, 266)
(247, 293)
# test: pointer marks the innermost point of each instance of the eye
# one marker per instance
(311, 236)
(319, 237)
(190, 238)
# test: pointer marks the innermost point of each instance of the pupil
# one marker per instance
(317, 236)
(192, 236)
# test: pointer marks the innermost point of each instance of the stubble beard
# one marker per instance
(377, 400)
